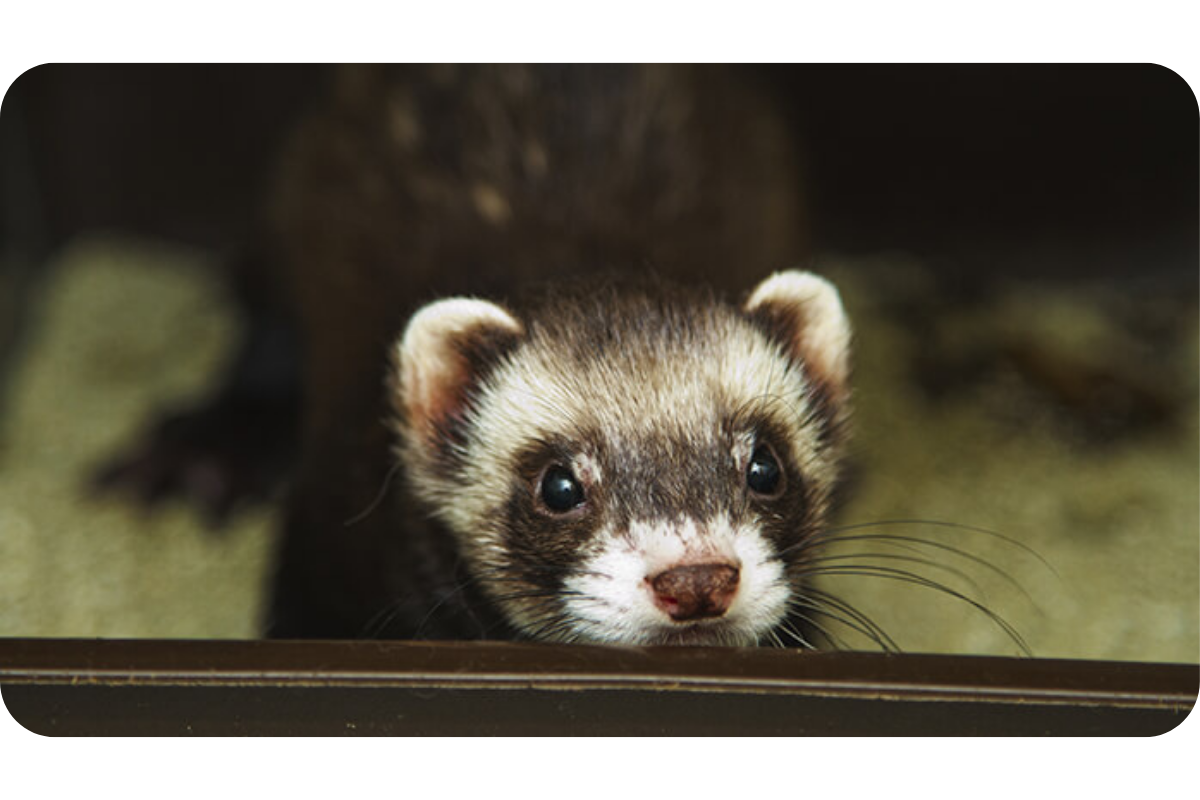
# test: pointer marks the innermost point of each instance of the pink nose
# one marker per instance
(695, 591)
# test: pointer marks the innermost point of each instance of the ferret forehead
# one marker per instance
(633, 383)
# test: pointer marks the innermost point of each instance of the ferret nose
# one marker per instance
(695, 591)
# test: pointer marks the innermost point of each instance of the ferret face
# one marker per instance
(637, 467)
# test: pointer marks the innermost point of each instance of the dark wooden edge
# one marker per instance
(70, 687)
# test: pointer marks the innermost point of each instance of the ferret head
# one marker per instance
(630, 466)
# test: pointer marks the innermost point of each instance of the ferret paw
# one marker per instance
(217, 457)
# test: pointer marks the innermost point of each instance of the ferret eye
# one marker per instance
(560, 491)
(763, 474)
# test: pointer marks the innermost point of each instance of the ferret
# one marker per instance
(602, 451)
(633, 466)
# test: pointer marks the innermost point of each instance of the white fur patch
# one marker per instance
(610, 599)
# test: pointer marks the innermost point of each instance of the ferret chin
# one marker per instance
(635, 464)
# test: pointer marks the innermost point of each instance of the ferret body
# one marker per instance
(584, 456)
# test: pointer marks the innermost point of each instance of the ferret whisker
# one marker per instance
(839, 610)
(786, 627)
(377, 625)
(900, 540)
(545, 617)
(904, 576)
(773, 638)
(550, 623)
(374, 504)
(854, 558)
(379, 622)
(835, 534)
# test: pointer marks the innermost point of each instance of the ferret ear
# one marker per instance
(443, 354)
(804, 312)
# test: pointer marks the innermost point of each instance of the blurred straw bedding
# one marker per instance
(124, 328)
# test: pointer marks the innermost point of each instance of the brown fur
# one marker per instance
(415, 183)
